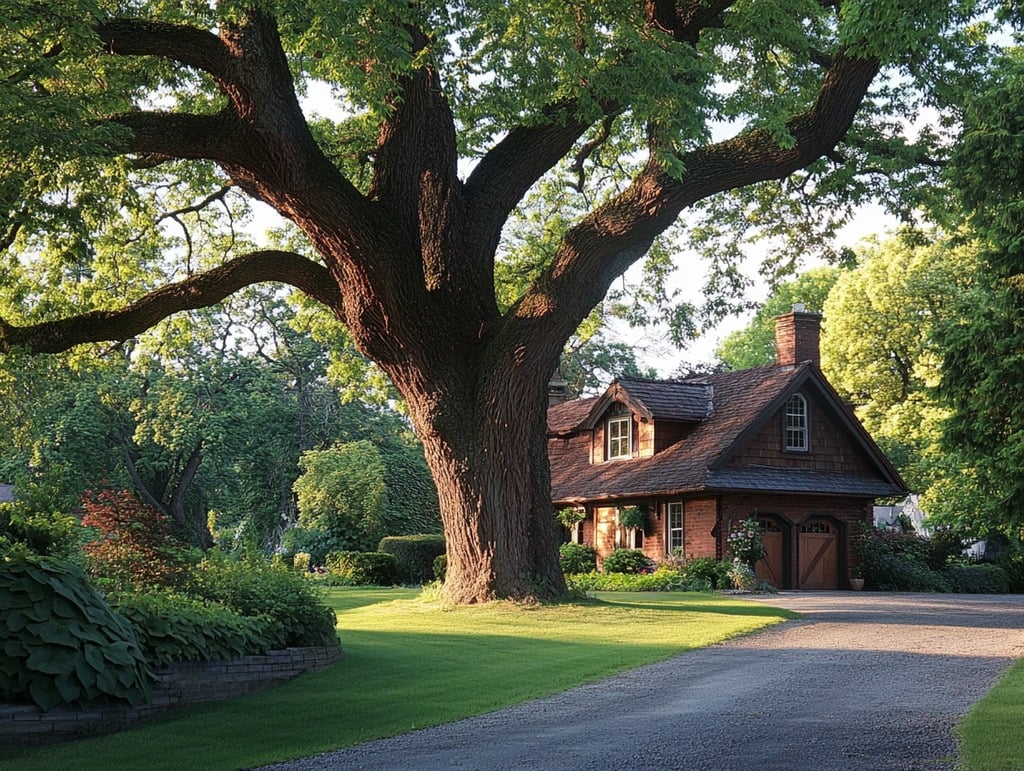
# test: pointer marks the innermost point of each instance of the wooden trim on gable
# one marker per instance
(812, 377)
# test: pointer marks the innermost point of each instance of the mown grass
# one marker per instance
(410, 662)
(991, 738)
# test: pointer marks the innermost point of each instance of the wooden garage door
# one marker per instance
(819, 552)
(770, 567)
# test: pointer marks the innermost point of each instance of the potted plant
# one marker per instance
(633, 517)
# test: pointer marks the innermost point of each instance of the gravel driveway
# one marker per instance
(861, 681)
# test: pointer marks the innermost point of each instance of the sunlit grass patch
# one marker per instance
(991, 738)
(410, 661)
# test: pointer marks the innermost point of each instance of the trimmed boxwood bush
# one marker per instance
(172, 627)
(61, 642)
(415, 555)
(362, 568)
(577, 558)
(627, 561)
(251, 587)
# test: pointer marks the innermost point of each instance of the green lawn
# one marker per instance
(410, 663)
(990, 736)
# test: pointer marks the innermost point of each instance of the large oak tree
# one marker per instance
(454, 112)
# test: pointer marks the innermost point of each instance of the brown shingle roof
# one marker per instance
(740, 401)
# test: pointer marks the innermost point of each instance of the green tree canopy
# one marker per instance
(983, 344)
(137, 135)
(343, 496)
(879, 344)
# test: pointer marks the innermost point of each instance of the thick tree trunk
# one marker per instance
(488, 455)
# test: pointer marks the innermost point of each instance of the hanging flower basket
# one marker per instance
(633, 517)
(570, 517)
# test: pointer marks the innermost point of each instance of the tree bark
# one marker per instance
(487, 450)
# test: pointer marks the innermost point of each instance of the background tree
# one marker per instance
(240, 409)
(879, 342)
(343, 499)
(114, 115)
(983, 344)
(754, 345)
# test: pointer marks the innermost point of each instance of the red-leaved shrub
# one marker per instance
(135, 544)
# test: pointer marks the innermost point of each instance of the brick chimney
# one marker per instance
(558, 389)
(797, 335)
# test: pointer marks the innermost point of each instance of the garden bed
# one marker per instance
(177, 685)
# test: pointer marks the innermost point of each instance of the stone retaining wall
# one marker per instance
(177, 685)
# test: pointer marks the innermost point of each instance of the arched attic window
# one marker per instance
(796, 425)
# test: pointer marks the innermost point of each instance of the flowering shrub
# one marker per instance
(742, 576)
(745, 541)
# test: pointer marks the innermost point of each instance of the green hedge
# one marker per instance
(172, 627)
(415, 555)
(62, 643)
(661, 580)
(977, 579)
(362, 568)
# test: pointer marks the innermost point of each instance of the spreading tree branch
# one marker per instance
(199, 291)
(612, 237)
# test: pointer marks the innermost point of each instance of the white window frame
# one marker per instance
(623, 443)
(796, 425)
(675, 510)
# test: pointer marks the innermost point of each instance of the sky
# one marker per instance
(652, 346)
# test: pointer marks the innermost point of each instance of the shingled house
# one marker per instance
(774, 442)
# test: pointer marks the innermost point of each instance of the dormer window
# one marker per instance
(620, 437)
(796, 424)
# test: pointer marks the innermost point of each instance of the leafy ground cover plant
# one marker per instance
(714, 573)
(251, 587)
(663, 579)
(62, 642)
(172, 627)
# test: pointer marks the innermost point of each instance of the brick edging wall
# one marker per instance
(184, 683)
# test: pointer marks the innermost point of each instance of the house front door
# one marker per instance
(818, 555)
